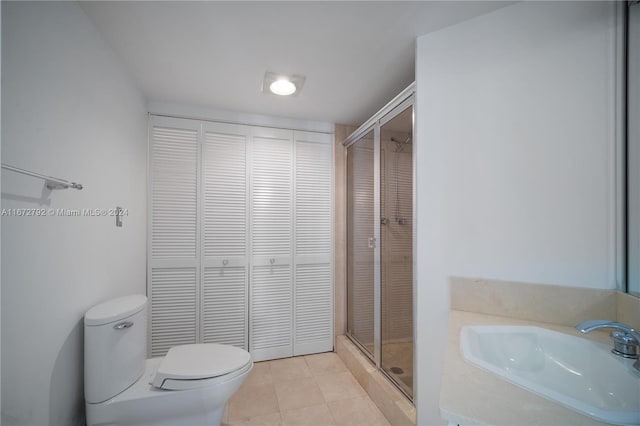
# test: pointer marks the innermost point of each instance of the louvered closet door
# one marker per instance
(225, 238)
(271, 298)
(313, 266)
(173, 254)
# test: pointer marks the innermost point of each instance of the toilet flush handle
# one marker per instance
(123, 325)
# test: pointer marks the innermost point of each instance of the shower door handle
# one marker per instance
(372, 242)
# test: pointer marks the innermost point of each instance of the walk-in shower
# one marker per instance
(380, 238)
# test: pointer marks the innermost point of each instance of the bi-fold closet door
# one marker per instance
(271, 324)
(240, 238)
(224, 221)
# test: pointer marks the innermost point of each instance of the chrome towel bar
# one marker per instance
(50, 182)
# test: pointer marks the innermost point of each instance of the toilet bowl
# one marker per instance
(189, 386)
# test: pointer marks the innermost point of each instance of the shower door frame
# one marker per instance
(397, 105)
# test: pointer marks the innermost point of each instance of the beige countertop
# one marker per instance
(472, 396)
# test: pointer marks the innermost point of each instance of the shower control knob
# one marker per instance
(225, 262)
(372, 242)
(272, 260)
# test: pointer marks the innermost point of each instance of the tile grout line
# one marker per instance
(273, 383)
(313, 374)
(321, 393)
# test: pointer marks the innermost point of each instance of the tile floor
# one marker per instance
(306, 390)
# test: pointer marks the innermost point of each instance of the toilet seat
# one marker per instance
(184, 385)
(199, 365)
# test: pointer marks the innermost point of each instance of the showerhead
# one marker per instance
(406, 141)
(400, 144)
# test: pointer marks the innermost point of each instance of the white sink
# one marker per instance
(578, 373)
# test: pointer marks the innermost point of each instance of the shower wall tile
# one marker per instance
(536, 302)
(340, 228)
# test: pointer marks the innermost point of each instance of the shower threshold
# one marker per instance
(400, 383)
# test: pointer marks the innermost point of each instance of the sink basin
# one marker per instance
(573, 371)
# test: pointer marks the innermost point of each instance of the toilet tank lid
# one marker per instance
(115, 309)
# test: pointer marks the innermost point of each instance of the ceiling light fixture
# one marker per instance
(282, 85)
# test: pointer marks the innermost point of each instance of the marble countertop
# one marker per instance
(471, 396)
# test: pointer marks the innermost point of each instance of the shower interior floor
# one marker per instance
(397, 361)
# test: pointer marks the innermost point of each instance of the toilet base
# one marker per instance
(145, 405)
(211, 418)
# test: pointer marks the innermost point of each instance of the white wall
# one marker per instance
(515, 154)
(0, 208)
(633, 150)
(68, 110)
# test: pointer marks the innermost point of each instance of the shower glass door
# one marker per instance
(396, 247)
(380, 238)
(360, 242)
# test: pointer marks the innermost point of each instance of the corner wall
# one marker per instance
(0, 208)
(342, 131)
(68, 110)
(516, 154)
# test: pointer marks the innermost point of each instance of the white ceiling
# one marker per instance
(356, 56)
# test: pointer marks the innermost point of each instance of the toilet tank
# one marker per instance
(115, 346)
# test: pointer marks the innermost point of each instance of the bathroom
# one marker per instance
(516, 202)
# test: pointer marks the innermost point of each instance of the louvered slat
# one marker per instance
(199, 259)
(314, 300)
(173, 314)
(271, 297)
(224, 192)
(271, 196)
(271, 313)
(225, 223)
(173, 252)
(313, 308)
(224, 309)
(173, 191)
(313, 198)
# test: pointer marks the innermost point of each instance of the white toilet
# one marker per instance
(189, 386)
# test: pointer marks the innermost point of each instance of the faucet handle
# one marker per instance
(626, 339)
(624, 344)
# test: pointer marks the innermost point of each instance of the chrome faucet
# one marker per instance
(626, 339)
